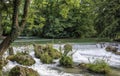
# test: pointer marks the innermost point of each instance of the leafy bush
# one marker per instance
(67, 48)
(66, 60)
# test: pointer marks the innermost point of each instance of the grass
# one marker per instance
(99, 66)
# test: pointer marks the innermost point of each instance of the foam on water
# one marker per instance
(90, 53)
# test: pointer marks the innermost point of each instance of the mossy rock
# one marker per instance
(23, 59)
(54, 53)
(45, 58)
(111, 49)
(38, 50)
(22, 71)
(47, 52)
(117, 53)
(66, 61)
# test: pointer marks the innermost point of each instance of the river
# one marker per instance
(83, 52)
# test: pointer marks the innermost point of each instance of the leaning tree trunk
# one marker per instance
(16, 27)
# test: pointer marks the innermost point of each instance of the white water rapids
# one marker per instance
(82, 53)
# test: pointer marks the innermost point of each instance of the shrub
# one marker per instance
(66, 60)
(67, 48)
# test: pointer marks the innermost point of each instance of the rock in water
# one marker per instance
(22, 71)
(23, 59)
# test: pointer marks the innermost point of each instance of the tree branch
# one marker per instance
(25, 13)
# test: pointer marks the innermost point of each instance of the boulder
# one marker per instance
(46, 58)
(23, 59)
(46, 53)
(117, 53)
(111, 49)
(22, 71)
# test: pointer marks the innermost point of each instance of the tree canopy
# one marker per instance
(66, 18)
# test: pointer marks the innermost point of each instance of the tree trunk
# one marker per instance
(16, 28)
(1, 29)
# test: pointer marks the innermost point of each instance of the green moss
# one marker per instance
(45, 58)
(22, 71)
(57, 54)
(38, 50)
(46, 53)
(1, 74)
(22, 58)
(54, 53)
(66, 61)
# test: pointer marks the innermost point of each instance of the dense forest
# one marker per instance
(66, 18)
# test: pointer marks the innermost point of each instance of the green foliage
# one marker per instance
(66, 61)
(107, 20)
(67, 49)
(5, 16)
(60, 19)
(67, 19)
